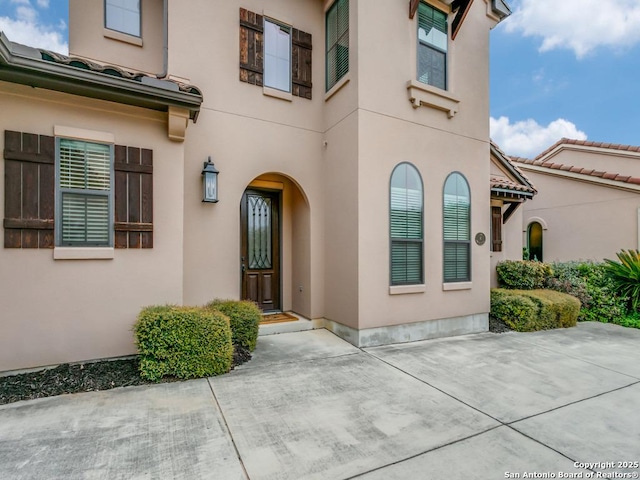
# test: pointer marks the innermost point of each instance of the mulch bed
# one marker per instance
(85, 377)
(498, 326)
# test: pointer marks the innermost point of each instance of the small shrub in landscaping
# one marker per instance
(185, 342)
(625, 275)
(522, 274)
(588, 282)
(532, 310)
(244, 317)
(516, 311)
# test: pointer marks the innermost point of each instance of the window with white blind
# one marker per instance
(337, 42)
(406, 226)
(123, 16)
(432, 46)
(277, 56)
(83, 189)
(457, 229)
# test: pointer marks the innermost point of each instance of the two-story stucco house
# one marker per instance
(352, 143)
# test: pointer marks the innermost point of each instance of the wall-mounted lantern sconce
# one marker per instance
(209, 182)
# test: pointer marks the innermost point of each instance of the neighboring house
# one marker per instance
(352, 159)
(510, 189)
(588, 202)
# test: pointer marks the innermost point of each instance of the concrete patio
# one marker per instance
(311, 406)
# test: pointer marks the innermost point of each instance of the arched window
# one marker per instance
(534, 241)
(457, 229)
(405, 222)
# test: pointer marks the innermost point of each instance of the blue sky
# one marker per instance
(559, 68)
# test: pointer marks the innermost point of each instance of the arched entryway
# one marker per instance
(534, 241)
(275, 244)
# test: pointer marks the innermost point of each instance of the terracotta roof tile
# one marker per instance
(508, 184)
(113, 71)
(586, 143)
(579, 170)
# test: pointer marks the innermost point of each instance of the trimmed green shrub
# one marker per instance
(564, 309)
(517, 311)
(625, 275)
(522, 274)
(244, 317)
(589, 283)
(532, 310)
(185, 342)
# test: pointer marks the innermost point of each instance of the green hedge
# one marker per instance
(244, 317)
(522, 274)
(532, 310)
(185, 342)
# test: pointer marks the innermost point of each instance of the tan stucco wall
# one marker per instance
(333, 155)
(584, 221)
(56, 311)
(511, 242)
(89, 38)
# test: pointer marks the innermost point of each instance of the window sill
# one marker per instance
(122, 37)
(338, 86)
(83, 253)
(275, 93)
(423, 95)
(449, 287)
(406, 289)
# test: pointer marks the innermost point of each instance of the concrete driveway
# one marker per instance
(311, 406)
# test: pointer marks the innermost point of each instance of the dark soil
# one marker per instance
(498, 326)
(85, 377)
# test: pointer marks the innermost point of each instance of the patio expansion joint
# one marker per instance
(508, 425)
(226, 425)
(558, 352)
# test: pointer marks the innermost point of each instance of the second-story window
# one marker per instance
(432, 46)
(277, 56)
(123, 16)
(337, 42)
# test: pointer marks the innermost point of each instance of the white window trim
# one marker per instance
(272, 91)
(407, 289)
(454, 286)
(82, 252)
(130, 35)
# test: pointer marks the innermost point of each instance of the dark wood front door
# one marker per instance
(260, 249)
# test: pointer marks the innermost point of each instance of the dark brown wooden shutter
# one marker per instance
(251, 47)
(301, 47)
(496, 229)
(133, 197)
(29, 190)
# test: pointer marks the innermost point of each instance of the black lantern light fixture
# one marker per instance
(209, 182)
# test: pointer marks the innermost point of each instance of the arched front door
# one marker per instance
(260, 248)
(534, 236)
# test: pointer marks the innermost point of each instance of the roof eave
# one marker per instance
(63, 78)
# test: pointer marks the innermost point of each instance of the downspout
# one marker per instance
(165, 40)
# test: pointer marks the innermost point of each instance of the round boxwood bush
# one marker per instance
(185, 342)
(244, 318)
(522, 274)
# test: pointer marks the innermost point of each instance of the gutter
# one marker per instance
(24, 65)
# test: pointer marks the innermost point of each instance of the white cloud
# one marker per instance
(25, 27)
(578, 25)
(26, 14)
(528, 138)
(34, 34)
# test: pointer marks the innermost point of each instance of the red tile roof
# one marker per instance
(507, 184)
(540, 160)
(586, 143)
